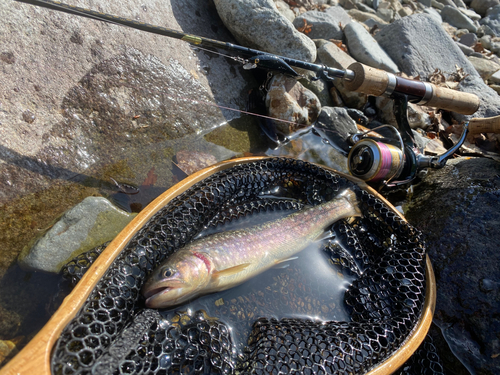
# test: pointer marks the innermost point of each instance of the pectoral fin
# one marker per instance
(230, 271)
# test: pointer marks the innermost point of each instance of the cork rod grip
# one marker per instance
(375, 82)
(485, 125)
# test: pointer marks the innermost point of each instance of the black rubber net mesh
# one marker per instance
(114, 333)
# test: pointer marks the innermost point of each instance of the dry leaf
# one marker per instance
(306, 29)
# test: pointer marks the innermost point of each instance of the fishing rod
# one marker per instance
(372, 159)
(357, 77)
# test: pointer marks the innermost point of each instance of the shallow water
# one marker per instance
(307, 286)
(28, 298)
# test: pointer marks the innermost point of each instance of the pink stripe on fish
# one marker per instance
(204, 259)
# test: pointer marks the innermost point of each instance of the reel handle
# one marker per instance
(377, 82)
(484, 125)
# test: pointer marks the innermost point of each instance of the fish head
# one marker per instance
(178, 279)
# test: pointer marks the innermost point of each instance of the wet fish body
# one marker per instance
(227, 259)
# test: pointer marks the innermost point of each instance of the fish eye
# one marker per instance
(167, 273)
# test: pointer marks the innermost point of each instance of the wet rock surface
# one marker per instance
(85, 102)
(87, 225)
(457, 209)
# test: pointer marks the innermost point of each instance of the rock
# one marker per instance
(192, 161)
(457, 208)
(338, 125)
(465, 49)
(495, 78)
(7, 349)
(486, 68)
(437, 4)
(482, 6)
(485, 30)
(460, 4)
(320, 88)
(323, 26)
(405, 11)
(410, 38)
(287, 99)
(456, 18)
(365, 8)
(363, 16)
(418, 118)
(427, 3)
(447, 3)
(258, 24)
(434, 14)
(366, 50)
(386, 14)
(492, 20)
(285, 10)
(10, 323)
(339, 15)
(469, 39)
(496, 88)
(471, 14)
(89, 224)
(333, 56)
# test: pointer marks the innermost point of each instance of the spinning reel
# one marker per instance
(388, 163)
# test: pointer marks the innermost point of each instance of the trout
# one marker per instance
(223, 260)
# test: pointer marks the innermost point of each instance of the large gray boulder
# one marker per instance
(419, 45)
(366, 50)
(258, 24)
(457, 208)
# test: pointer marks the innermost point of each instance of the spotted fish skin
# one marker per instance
(224, 260)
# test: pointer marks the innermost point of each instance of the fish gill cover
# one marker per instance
(113, 333)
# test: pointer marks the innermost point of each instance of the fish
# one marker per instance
(226, 259)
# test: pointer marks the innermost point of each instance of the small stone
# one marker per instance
(92, 222)
(447, 3)
(465, 49)
(363, 16)
(471, 14)
(7, 57)
(331, 55)
(496, 88)
(366, 50)
(495, 78)
(481, 6)
(287, 99)
(434, 14)
(427, 3)
(322, 25)
(460, 4)
(285, 10)
(469, 39)
(437, 4)
(493, 20)
(339, 123)
(386, 14)
(29, 116)
(484, 30)
(365, 8)
(456, 18)
(405, 11)
(486, 68)
(190, 161)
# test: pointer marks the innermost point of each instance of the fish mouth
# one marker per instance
(155, 291)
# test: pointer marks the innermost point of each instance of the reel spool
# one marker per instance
(375, 161)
